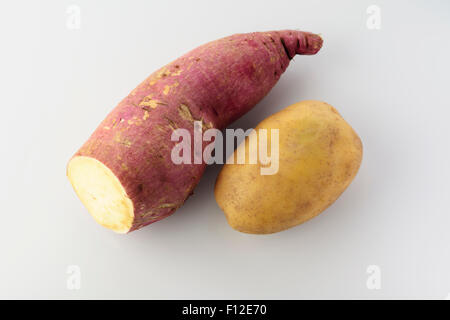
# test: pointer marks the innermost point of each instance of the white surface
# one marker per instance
(390, 84)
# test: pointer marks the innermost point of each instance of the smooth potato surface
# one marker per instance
(319, 155)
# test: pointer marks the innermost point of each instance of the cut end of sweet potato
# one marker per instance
(102, 193)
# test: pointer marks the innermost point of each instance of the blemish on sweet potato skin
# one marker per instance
(216, 83)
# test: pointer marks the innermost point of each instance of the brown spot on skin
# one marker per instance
(161, 74)
(167, 205)
(148, 213)
(172, 125)
(177, 73)
(118, 138)
(349, 169)
(333, 134)
(167, 88)
(149, 102)
(185, 113)
(160, 128)
(190, 65)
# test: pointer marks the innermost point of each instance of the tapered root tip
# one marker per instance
(312, 43)
(299, 42)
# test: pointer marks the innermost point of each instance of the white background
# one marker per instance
(391, 85)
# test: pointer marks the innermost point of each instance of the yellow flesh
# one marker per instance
(102, 193)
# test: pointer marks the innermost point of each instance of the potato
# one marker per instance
(319, 155)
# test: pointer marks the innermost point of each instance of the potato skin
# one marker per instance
(319, 155)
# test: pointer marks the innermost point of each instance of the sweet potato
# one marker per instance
(124, 174)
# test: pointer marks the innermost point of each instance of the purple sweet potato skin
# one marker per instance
(215, 83)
